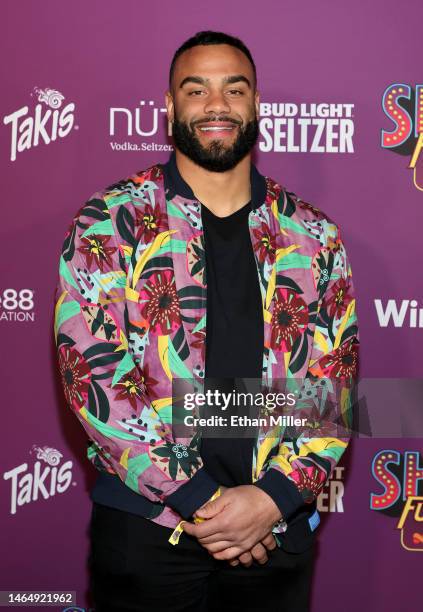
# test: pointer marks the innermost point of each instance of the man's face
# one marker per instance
(213, 106)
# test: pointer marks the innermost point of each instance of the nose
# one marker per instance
(217, 103)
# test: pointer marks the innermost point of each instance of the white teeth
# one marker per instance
(213, 129)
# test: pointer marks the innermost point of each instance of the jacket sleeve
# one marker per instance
(304, 462)
(103, 383)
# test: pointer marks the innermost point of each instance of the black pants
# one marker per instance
(134, 567)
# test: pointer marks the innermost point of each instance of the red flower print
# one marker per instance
(338, 299)
(289, 319)
(160, 303)
(149, 222)
(309, 207)
(343, 362)
(95, 249)
(309, 481)
(266, 242)
(136, 386)
(76, 376)
(199, 342)
(151, 174)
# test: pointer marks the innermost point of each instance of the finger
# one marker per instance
(229, 553)
(189, 528)
(203, 530)
(269, 542)
(211, 508)
(246, 559)
(258, 552)
(216, 537)
(218, 546)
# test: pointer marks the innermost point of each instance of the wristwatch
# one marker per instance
(280, 526)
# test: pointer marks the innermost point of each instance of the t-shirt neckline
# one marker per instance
(233, 215)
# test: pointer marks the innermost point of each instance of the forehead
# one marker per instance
(213, 62)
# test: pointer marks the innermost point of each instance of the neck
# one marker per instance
(222, 192)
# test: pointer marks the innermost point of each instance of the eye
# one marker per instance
(195, 92)
(236, 92)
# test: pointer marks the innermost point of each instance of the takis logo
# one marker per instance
(404, 107)
(45, 480)
(51, 119)
(401, 479)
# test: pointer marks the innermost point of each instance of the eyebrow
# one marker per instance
(236, 78)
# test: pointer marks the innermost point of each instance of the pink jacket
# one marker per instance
(130, 318)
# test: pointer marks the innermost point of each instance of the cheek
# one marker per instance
(245, 110)
(189, 109)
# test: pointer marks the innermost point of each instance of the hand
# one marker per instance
(236, 521)
(257, 553)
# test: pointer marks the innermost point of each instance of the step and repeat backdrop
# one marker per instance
(341, 125)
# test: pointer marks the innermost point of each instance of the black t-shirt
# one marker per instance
(234, 334)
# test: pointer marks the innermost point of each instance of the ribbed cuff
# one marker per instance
(193, 494)
(282, 490)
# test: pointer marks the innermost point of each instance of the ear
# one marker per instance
(169, 106)
(257, 103)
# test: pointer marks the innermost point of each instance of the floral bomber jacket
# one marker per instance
(130, 316)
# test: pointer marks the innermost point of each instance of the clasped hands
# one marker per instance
(238, 525)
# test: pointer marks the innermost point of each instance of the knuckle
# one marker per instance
(225, 523)
(249, 543)
(269, 542)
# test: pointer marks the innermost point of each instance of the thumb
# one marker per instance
(210, 509)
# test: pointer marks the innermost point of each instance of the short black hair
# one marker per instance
(208, 37)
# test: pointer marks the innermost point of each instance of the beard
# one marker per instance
(216, 157)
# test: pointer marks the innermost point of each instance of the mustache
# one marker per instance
(215, 120)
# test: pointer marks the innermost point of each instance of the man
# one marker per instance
(202, 269)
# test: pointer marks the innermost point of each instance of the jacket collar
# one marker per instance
(177, 186)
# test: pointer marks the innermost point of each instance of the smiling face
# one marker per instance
(213, 106)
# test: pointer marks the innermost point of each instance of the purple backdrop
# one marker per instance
(83, 88)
